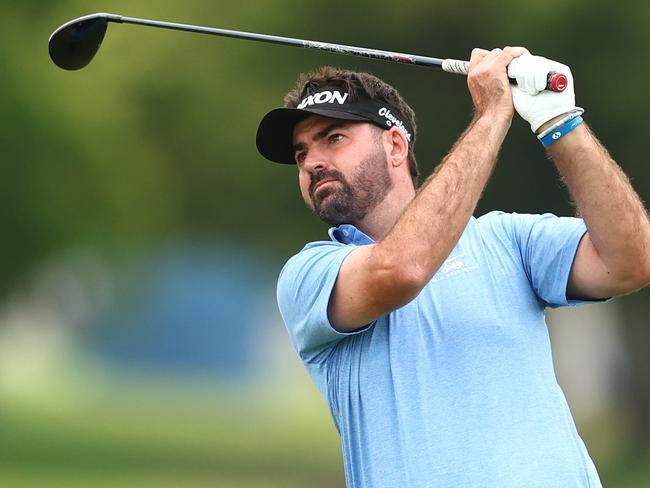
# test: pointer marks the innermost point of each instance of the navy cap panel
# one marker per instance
(275, 133)
(274, 137)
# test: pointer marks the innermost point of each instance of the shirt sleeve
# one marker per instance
(547, 245)
(304, 288)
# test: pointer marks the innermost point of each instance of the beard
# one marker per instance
(349, 202)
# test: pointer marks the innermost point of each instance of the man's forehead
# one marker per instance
(317, 123)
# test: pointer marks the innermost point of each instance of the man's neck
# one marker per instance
(378, 223)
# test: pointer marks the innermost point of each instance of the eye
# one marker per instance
(300, 157)
(335, 137)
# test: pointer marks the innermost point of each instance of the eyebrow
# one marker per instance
(320, 134)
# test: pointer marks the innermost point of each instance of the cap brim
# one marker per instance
(274, 138)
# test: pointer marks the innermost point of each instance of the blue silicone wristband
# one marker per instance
(561, 131)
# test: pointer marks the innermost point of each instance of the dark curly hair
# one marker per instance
(358, 85)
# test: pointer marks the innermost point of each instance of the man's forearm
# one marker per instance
(616, 219)
(432, 224)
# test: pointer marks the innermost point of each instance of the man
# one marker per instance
(422, 326)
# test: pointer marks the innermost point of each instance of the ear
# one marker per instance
(397, 146)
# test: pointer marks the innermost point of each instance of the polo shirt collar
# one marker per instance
(349, 234)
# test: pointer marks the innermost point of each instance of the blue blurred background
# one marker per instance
(142, 234)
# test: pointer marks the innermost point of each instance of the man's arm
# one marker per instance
(613, 258)
(379, 278)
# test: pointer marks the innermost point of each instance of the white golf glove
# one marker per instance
(533, 103)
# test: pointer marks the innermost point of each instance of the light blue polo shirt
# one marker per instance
(456, 388)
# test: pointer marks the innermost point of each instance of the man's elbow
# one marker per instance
(407, 280)
(642, 277)
(642, 274)
(635, 277)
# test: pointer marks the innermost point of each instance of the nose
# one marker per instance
(315, 161)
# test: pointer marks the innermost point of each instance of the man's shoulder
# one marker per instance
(315, 255)
(490, 222)
(518, 221)
(493, 214)
(317, 247)
(500, 221)
(501, 215)
(341, 238)
(505, 228)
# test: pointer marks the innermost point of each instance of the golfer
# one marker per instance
(423, 326)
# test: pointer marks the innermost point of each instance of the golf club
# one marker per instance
(73, 45)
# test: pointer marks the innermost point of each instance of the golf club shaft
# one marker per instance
(555, 81)
(69, 50)
(289, 41)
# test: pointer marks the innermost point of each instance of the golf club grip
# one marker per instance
(555, 81)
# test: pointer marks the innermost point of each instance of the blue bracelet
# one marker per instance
(552, 128)
(561, 131)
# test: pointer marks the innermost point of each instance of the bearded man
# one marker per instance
(422, 326)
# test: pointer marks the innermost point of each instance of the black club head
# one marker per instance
(73, 45)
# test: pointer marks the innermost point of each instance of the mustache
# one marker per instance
(324, 175)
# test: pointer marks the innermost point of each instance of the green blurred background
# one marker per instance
(140, 343)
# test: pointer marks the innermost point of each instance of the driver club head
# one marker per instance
(73, 45)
